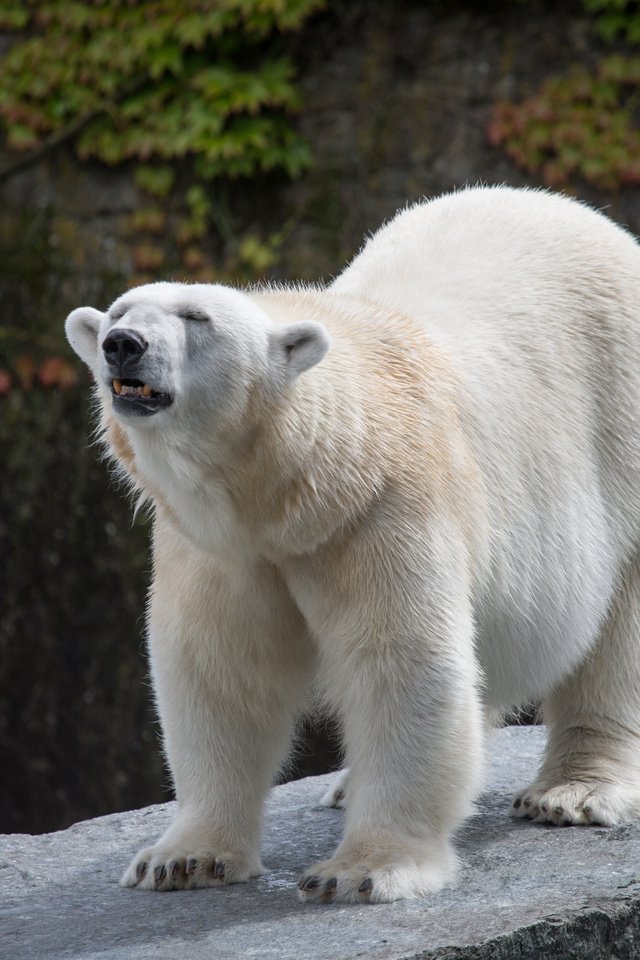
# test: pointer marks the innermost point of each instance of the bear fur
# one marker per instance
(416, 489)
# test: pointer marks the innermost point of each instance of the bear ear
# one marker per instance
(82, 326)
(301, 345)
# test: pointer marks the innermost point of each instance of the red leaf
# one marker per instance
(5, 382)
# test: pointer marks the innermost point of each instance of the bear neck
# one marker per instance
(312, 468)
(298, 469)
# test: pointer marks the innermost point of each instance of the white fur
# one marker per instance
(418, 488)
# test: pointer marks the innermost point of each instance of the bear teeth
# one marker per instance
(131, 390)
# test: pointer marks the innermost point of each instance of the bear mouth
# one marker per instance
(133, 397)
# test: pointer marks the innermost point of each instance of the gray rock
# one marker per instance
(525, 890)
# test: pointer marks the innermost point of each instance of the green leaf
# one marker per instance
(193, 82)
(157, 181)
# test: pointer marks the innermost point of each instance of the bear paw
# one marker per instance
(374, 879)
(576, 803)
(336, 795)
(160, 868)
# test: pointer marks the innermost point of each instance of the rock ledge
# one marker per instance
(525, 890)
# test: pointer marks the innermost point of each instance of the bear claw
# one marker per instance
(330, 888)
(309, 883)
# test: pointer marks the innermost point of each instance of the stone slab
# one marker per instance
(525, 890)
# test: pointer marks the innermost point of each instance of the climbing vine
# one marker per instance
(155, 81)
(582, 124)
(186, 94)
(192, 93)
(616, 18)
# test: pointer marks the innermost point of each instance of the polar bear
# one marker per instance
(416, 488)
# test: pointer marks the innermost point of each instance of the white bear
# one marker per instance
(418, 489)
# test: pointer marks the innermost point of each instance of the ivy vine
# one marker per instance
(582, 124)
(158, 80)
(185, 94)
(205, 86)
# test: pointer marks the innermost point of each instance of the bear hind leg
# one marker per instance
(336, 795)
(590, 772)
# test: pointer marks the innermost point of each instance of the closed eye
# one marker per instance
(193, 313)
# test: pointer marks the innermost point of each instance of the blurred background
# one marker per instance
(224, 140)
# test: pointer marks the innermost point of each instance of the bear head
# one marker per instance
(166, 353)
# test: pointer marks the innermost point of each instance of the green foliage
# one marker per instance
(583, 124)
(578, 125)
(159, 80)
(190, 92)
(616, 18)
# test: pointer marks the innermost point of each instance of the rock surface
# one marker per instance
(525, 890)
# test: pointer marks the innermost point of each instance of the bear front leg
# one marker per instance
(396, 638)
(229, 657)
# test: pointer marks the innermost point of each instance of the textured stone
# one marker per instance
(525, 890)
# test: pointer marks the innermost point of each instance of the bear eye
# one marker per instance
(193, 313)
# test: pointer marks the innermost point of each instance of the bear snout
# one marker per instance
(123, 349)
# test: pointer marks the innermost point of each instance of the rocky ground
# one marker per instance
(525, 890)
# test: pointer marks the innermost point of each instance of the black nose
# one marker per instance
(123, 347)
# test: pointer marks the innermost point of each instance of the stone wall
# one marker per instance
(396, 102)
